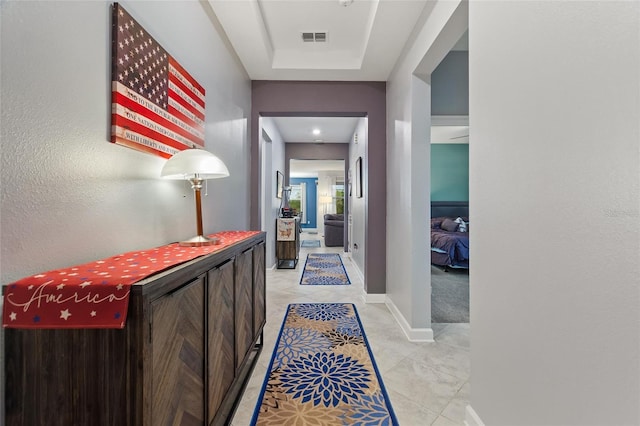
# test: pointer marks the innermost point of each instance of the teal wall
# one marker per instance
(450, 172)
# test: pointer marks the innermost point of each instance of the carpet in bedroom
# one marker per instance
(449, 295)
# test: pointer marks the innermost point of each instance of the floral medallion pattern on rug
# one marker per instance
(323, 374)
(324, 269)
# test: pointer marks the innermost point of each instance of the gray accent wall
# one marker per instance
(342, 98)
(450, 85)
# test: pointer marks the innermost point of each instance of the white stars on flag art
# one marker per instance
(65, 314)
(93, 313)
(13, 316)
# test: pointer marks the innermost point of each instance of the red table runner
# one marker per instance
(96, 294)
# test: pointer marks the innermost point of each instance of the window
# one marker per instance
(297, 200)
(337, 193)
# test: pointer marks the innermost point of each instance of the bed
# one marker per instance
(450, 234)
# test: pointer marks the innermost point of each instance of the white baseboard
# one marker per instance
(413, 334)
(374, 298)
(356, 268)
(472, 418)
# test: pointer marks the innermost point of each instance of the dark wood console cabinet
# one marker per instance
(192, 337)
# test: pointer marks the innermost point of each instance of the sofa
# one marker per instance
(334, 230)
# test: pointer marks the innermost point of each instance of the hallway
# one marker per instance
(428, 383)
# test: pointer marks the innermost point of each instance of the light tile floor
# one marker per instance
(428, 383)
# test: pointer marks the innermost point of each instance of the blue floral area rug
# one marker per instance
(324, 269)
(322, 372)
(310, 243)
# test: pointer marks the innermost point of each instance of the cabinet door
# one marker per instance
(220, 341)
(177, 321)
(259, 307)
(243, 305)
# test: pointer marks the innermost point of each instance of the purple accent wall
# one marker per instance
(341, 98)
(326, 151)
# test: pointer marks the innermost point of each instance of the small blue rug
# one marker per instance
(322, 372)
(310, 243)
(324, 269)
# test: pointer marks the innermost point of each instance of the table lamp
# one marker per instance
(195, 165)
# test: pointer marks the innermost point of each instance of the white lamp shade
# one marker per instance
(194, 163)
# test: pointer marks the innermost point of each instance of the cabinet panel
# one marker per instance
(243, 305)
(178, 356)
(80, 377)
(220, 340)
(259, 307)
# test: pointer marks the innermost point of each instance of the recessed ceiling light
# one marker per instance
(316, 132)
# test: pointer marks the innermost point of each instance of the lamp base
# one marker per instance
(200, 241)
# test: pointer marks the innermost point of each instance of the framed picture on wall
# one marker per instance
(359, 177)
(279, 184)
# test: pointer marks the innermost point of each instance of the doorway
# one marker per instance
(449, 185)
(318, 188)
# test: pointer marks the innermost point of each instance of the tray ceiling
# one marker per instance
(363, 39)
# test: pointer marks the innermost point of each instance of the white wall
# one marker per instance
(70, 196)
(357, 206)
(555, 196)
(408, 154)
(272, 164)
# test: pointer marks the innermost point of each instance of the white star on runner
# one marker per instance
(65, 314)
(13, 316)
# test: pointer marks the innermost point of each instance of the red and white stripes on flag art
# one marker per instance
(156, 106)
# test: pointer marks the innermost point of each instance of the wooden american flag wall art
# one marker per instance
(156, 106)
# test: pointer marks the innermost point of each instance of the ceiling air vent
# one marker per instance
(314, 37)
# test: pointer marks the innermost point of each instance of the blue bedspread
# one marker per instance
(455, 244)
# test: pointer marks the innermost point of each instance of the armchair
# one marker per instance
(333, 230)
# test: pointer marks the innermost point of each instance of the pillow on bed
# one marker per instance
(449, 225)
(436, 222)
